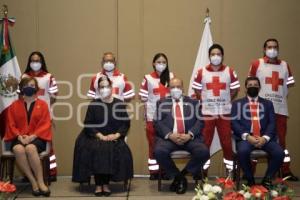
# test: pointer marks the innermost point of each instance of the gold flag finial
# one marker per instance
(5, 10)
(207, 12)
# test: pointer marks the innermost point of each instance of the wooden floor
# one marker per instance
(140, 189)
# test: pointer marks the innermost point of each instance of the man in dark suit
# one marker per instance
(179, 127)
(253, 123)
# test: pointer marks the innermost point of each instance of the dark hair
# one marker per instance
(252, 78)
(43, 68)
(165, 75)
(270, 40)
(104, 78)
(216, 46)
(24, 81)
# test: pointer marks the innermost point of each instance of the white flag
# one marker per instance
(202, 60)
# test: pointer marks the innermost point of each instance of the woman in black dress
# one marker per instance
(100, 149)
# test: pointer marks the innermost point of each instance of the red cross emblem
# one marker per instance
(162, 91)
(115, 90)
(216, 86)
(275, 81)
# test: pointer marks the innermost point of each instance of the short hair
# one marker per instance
(216, 46)
(108, 53)
(271, 40)
(252, 78)
(24, 81)
(104, 78)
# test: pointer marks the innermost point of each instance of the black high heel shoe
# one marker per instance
(45, 193)
(36, 193)
(106, 193)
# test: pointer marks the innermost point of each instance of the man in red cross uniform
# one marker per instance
(122, 89)
(276, 77)
(215, 86)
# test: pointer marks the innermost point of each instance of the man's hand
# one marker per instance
(179, 138)
(261, 142)
(184, 138)
(252, 140)
(174, 137)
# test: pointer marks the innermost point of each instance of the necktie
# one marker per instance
(254, 119)
(179, 119)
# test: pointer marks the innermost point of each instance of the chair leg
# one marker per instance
(125, 186)
(1, 168)
(159, 180)
(238, 175)
(46, 168)
(11, 167)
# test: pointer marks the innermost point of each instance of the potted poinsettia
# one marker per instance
(5, 189)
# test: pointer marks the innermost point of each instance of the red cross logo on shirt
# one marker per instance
(162, 91)
(216, 86)
(274, 80)
(115, 90)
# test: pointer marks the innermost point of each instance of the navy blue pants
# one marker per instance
(276, 156)
(198, 150)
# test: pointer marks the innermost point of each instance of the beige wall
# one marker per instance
(73, 34)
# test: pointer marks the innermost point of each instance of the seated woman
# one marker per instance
(100, 149)
(29, 129)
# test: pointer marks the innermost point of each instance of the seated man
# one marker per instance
(179, 127)
(253, 123)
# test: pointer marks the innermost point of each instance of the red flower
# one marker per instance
(258, 189)
(7, 187)
(228, 183)
(233, 196)
(282, 198)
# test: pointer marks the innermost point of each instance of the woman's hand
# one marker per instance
(101, 137)
(113, 137)
(21, 139)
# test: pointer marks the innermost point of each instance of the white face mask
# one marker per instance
(160, 67)
(105, 92)
(216, 60)
(109, 66)
(272, 53)
(176, 93)
(35, 66)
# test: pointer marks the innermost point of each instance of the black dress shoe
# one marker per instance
(153, 177)
(45, 193)
(36, 193)
(291, 176)
(182, 186)
(267, 182)
(98, 194)
(106, 193)
(250, 183)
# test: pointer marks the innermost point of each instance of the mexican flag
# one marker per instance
(9, 71)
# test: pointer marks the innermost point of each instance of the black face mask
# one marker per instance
(252, 91)
(29, 91)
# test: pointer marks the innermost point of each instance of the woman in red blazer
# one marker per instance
(29, 129)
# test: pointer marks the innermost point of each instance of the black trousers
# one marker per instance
(102, 179)
(198, 150)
